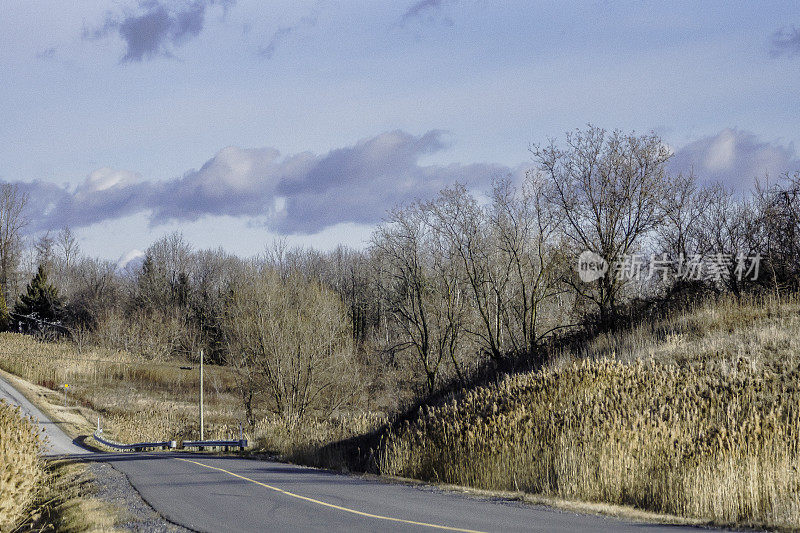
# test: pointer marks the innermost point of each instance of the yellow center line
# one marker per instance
(332, 506)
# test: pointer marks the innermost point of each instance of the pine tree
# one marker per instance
(40, 299)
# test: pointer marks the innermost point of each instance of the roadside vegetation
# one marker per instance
(39, 495)
(138, 400)
(66, 503)
(21, 469)
(697, 415)
(464, 345)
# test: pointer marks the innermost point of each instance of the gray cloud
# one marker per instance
(785, 41)
(302, 193)
(424, 7)
(156, 28)
(268, 51)
(363, 181)
(736, 158)
(420, 7)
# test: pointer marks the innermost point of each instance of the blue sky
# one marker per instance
(239, 121)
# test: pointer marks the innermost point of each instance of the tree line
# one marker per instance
(448, 286)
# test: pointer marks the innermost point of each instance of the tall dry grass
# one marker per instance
(21, 469)
(304, 442)
(144, 400)
(697, 416)
(758, 328)
(137, 399)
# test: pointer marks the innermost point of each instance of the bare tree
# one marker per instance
(12, 222)
(68, 245)
(213, 273)
(450, 307)
(164, 279)
(400, 245)
(728, 226)
(94, 291)
(682, 235)
(526, 227)
(289, 341)
(43, 248)
(777, 209)
(609, 188)
(287, 261)
(349, 274)
(464, 225)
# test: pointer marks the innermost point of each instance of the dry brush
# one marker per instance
(21, 469)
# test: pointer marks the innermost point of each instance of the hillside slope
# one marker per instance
(698, 415)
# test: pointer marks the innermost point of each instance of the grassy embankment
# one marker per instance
(136, 399)
(697, 416)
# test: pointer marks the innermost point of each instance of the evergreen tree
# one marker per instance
(40, 299)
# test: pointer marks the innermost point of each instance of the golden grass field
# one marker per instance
(697, 416)
(21, 469)
(136, 399)
(140, 400)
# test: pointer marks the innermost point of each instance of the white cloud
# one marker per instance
(296, 194)
(721, 153)
(106, 178)
(130, 258)
(735, 158)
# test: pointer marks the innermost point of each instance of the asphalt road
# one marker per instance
(229, 494)
(58, 443)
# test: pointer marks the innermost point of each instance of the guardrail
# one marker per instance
(169, 444)
(201, 444)
(136, 447)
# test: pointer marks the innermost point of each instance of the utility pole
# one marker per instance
(201, 396)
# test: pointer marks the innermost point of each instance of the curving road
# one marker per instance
(215, 494)
(58, 443)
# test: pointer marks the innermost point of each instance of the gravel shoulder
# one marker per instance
(135, 514)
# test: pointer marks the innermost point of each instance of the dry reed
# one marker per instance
(21, 469)
(704, 425)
